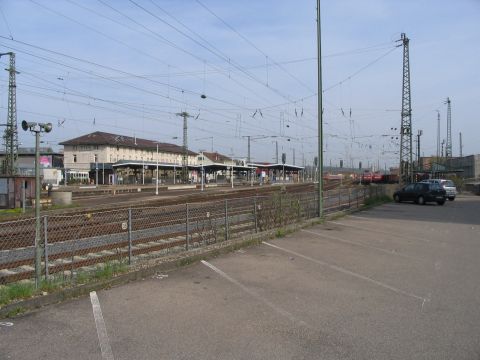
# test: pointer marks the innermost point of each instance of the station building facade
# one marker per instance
(105, 158)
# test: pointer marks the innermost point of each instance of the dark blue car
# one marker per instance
(421, 193)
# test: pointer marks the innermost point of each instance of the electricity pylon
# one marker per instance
(185, 115)
(11, 133)
(406, 155)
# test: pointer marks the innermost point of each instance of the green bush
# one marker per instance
(377, 200)
(280, 233)
(21, 290)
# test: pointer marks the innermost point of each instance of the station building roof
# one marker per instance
(104, 138)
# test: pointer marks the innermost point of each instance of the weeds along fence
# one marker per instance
(79, 243)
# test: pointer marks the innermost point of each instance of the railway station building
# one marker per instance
(105, 158)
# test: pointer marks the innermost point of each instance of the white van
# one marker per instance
(448, 185)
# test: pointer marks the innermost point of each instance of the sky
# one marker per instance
(246, 68)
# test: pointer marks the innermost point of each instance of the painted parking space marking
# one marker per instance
(105, 348)
(257, 296)
(351, 273)
(360, 244)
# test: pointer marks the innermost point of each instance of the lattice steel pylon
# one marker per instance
(185, 115)
(406, 154)
(448, 146)
(10, 136)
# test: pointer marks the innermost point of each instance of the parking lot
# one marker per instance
(400, 281)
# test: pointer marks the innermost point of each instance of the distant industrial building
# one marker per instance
(468, 167)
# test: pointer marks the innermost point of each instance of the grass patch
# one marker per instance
(82, 277)
(109, 270)
(17, 311)
(51, 285)
(280, 233)
(21, 290)
(25, 290)
(57, 207)
(9, 212)
(377, 200)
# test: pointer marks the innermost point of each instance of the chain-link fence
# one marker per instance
(72, 245)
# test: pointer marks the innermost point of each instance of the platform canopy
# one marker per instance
(132, 164)
(286, 167)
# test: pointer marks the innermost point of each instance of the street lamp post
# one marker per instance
(202, 173)
(320, 114)
(37, 128)
(156, 185)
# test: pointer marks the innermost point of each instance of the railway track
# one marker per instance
(81, 240)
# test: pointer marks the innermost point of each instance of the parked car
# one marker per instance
(421, 193)
(448, 185)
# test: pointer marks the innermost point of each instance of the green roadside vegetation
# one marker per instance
(26, 289)
(377, 200)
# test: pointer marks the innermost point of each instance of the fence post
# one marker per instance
(357, 195)
(340, 198)
(349, 197)
(129, 236)
(226, 220)
(45, 235)
(187, 225)
(255, 213)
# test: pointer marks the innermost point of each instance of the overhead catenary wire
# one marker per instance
(89, 71)
(245, 107)
(156, 36)
(219, 55)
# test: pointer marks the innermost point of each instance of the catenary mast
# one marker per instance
(406, 156)
(11, 133)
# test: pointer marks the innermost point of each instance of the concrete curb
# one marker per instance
(149, 268)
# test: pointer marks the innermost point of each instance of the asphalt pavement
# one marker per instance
(399, 281)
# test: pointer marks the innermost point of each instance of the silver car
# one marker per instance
(448, 185)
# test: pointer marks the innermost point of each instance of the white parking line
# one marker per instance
(107, 353)
(257, 296)
(351, 273)
(386, 251)
(379, 231)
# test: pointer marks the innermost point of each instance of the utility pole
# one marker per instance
(293, 156)
(406, 156)
(443, 143)
(320, 113)
(419, 134)
(461, 145)
(37, 128)
(254, 137)
(448, 147)
(438, 134)
(276, 151)
(156, 181)
(11, 133)
(185, 115)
